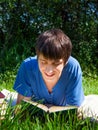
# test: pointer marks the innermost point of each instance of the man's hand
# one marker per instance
(21, 97)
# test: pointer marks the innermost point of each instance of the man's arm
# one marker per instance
(21, 97)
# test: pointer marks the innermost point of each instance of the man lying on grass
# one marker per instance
(53, 75)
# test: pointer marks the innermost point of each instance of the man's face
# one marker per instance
(51, 69)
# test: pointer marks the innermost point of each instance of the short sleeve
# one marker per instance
(22, 83)
(75, 94)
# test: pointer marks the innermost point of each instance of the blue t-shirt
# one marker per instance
(67, 91)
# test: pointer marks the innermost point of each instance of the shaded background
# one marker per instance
(21, 21)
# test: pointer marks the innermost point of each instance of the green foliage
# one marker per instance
(87, 56)
(7, 80)
(30, 121)
(20, 24)
(90, 85)
(57, 121)
(23, 20)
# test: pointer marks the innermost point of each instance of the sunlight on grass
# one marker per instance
(49, 123)
(7, 85)
(90, 86)
(7, 80)
(23, 120)
(46, 122)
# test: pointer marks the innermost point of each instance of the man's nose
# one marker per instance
(49, 69)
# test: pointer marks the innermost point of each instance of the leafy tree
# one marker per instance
(23, 20)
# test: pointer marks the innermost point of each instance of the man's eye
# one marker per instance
(56, 63)
(43, 62)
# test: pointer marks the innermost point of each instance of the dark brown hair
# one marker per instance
(54, 44)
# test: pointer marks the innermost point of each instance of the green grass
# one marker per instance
(65, 122)
(90, 85)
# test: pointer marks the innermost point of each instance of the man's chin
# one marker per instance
(49, 78)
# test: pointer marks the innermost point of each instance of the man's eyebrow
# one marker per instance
(59, 60)
(42, 59)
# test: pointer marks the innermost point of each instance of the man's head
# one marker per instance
(54, 44)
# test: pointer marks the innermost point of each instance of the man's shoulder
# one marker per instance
(30, 59)
(73, 61)
(72, 65)
(30, 62)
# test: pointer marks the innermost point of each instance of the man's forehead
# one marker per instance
(42, 57)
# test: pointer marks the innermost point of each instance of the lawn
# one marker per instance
(67, 121)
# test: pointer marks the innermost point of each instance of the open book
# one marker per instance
(50, 108)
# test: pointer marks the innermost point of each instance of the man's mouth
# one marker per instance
(49, 75)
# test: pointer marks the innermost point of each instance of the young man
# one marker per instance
(53, 75)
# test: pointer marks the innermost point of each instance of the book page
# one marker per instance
(50, 108)
(41, 106)
(60, 108)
